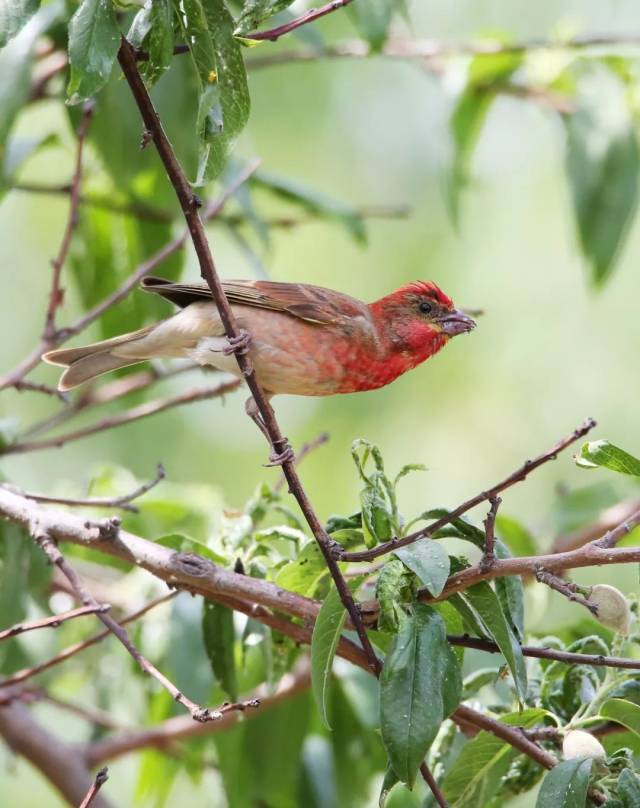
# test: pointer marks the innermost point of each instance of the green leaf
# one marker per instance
(15, 69)
(602, 167)
(94, 39)
(601, 453)
(394, 587)
(373, 18)
(223, 108)
(566, 785)
(159, 41)
(484, 78)
(483, 762)
(255, 12)
(420, 686)
(389, 781)
(622, 712)
(313, 202)
(14, 15)
(510, 592)
(377, 522)
(219, 641)
(429, 561)
(324, 641)
(485, 602)
(303, 574)
(516, 536)
(629, 788)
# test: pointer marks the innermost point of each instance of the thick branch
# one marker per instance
(58, 761)
(518, 476)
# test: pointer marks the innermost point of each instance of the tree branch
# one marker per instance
(126, 417)
(122, 502)
(58, 761)
(53, 621)
(516, 477)
(100, 779)
(189, 205)
(536, 652)
(72, 650)
(63, 334)
(304, 19)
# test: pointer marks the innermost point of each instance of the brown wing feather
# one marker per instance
(311, 303)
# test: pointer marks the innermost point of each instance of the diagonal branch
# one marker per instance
(211, 211)
(126, 417)
(517, 476)
(312, 15)
(52, 551)
(53, 621)
(190, 204)
(100, 779)
(72, 650)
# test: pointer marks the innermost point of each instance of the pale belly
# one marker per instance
(292, 356)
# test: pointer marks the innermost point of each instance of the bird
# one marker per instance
(301, 339)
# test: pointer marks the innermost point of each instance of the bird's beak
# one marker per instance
(456, 322)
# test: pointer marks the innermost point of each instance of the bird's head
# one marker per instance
(419, 316)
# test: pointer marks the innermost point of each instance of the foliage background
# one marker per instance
(549, 350)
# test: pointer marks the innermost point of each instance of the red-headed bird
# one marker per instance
(304, 339)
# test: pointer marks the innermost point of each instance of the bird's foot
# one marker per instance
(238, 345)
(282, 456)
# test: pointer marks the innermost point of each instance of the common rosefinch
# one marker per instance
(304, 339)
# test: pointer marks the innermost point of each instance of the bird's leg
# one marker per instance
(281, 453)
(239, 344)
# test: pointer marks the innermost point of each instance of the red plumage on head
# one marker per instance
(428, 289)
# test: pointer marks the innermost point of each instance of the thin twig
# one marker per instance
(126, 417)
(489, 554)
(190, 207)
(114, 389)
(304, 19)
(516, 477)
(53, 621)
(72, 650)
(535, 652)
(512, 735)
(52, 551)
(566, 588)
(65, 333)
(56, 292)
(36, 387)
(431, 781)
(123, 502)
(100, 779)
(435, 50)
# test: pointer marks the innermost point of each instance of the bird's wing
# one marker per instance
(311, 303)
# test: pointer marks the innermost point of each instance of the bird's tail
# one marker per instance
(83, 364)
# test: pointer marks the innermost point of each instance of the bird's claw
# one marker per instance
(279, 458)
(238, 345)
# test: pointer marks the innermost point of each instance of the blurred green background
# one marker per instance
(548, 351)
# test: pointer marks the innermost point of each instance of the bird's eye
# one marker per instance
(426, 307)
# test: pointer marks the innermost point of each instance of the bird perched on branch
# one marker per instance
(301, 339)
